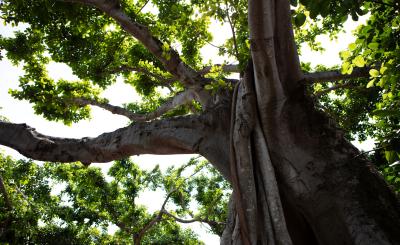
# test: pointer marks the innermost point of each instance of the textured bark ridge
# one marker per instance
(327, 194)
(260, 218)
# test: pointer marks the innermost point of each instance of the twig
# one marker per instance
(338, 86)
(144, 5)
(231, 24)
(144, 71)
(138, 236)
(365, 152)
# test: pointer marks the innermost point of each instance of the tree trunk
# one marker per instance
(296, 180)
(329, 194)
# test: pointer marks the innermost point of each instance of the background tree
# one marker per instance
(86, 204)
(295, 177)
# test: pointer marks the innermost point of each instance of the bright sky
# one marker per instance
(103, 121)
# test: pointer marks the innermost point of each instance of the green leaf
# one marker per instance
(383, 69)
(345, 54)
(359, 61)
(352, 46)
(374, 73)
(371, 83)
(299, 19)
(345, 67)
(373, 46)
(390, 156)
(384, 113)
(208, 87)
(350, 70)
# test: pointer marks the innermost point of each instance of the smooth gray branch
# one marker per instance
(179, 99)
(180, 135)
(226, 68)
(336, 75)
(313, 77)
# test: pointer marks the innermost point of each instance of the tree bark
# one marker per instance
(335, 196)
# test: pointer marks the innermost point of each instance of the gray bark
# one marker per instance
(179, 99)
(170, 136)
(323, 184)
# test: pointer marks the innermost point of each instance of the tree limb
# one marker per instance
(336, 75)
(187, 221)
(167, 81)
(182, 98)
(231, 24)
(313, 77)
(338, 86)
(138, 236)
(144, 5)
(180, 135)
(170, 58)
(226, 68)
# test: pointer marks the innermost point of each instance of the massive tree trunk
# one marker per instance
(328, 193)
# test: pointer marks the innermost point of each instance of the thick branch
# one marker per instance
(314, 77)
(169, 58)
(181, 135)
(178, 100)
(336, 75)
(225, 68)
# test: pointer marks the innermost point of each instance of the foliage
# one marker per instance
(368, 107)
(78, 204)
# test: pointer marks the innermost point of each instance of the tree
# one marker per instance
(86, 204)
(295, 176)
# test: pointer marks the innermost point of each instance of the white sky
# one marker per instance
(119, 93)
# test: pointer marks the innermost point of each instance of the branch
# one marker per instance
(366, 152)
(144, 71)
(180, 135)
(231, 24)
(111, 108)
(179, 99)
(144, 5)
(314, 77)
(225, 68)
(336, 75)
(338, 86)
(185, 221)
(170, 58)
(138, 236)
